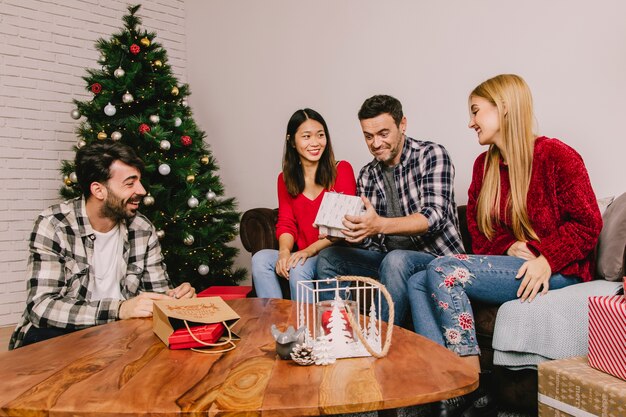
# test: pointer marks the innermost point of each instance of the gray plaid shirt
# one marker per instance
(425, 181)
(60, 271)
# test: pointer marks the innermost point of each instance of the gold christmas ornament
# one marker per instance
(148, 200)
(204, 160)
(67, 181)
(188, 240)
(102, 136)
(174, 91)
(158, 63)
(191, 178)
(145, 42)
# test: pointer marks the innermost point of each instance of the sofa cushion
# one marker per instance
(612, 241)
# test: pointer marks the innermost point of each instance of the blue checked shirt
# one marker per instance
(425, 181)
(60, 271)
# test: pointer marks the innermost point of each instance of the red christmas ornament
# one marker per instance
(134, 49)
(143, 128)
(185, 140)
(96, 88)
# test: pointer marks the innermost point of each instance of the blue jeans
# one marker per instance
(266, 280)
(440, 295)
(392, 269)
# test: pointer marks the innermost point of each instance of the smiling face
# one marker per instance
(123, 192)
(485, 120)
(310, 141)
(383, 138)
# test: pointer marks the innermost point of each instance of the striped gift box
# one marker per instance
(607, 334)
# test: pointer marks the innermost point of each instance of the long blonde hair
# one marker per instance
(511, 95)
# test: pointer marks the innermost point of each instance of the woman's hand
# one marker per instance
(282, 264)
(521, 250)
(288, 261)
(536, 274)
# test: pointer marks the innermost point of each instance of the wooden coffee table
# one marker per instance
(122, 368)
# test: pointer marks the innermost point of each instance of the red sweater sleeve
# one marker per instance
(286, 217)
(570, 222)
(503, 238)
(345, 182)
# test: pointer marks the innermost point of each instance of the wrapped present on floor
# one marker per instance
(570, 387)
(607, 334)
(334, 207)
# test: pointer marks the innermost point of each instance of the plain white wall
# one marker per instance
(251, 64)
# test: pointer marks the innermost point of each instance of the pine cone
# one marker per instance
(303, 355)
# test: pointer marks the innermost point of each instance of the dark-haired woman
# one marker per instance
(309, 171)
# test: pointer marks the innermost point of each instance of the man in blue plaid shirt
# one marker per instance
(410, 217)
(94, 259)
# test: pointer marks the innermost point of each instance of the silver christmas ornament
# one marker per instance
(203, 269)
(210, 195)
(165, 145)
(192, 202)
(154, 118)
(188, 240)
(177, 122)
(127, 98)
(110, 110)
(75, 114)
(119, 73)
(148, 200)
(80, 143)
(116, 135)
(164, 169)
(73, 177)
(184, 102)
(160, 234)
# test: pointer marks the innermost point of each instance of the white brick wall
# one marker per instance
(45, 47)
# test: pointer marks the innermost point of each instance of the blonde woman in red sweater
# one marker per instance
(534, 223)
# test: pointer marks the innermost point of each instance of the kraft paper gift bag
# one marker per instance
(205, 319)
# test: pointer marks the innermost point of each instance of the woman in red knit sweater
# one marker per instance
(309, 171)
(534, 223)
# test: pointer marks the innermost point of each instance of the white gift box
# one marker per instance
(332, 210)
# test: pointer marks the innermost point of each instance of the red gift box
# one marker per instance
(607, 334)
(227, 292)
(208, 333)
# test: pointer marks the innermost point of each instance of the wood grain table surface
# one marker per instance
(122, 368)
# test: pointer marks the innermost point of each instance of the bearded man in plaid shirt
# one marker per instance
(411, 215)
(94, 259)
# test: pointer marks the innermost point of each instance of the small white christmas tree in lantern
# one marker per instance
(330, 313)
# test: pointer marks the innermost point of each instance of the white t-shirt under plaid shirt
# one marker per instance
(60, 270)
(425, 181)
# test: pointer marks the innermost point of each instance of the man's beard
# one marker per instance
(115, 207)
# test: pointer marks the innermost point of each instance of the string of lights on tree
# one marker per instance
(136, 99)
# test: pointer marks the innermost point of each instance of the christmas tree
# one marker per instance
(137, 100)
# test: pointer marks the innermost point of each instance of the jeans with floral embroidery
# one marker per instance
(440, 295)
